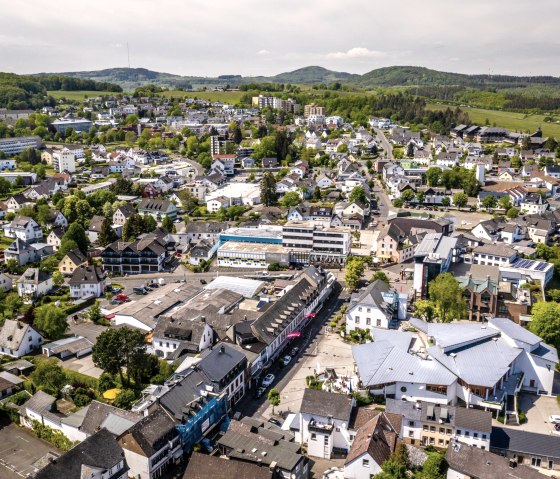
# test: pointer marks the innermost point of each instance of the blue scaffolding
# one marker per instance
(192, 431)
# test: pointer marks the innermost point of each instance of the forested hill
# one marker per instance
(25, 91)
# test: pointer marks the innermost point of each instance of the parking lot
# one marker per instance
(82, 365)
(20, 451)
(538, 409)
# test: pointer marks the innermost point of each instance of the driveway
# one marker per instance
(537, 409)
(20, 451)
(82, 365)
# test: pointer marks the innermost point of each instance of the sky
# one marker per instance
(266, 37)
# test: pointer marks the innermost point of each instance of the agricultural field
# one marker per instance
(79, 95)
(507, 119)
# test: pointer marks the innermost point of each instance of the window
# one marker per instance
(326, 440)
(352, 437)
(357, 320)
(536, 461)
(484, 436)
(360, 309)
(432, 441)
(365, 462)
(425, 428)
(368, 321)
(369, 310)
(458, 432)
(449, 432)
(313, 436)
(410, 423)
(442, 430)
(467, 433)
(475, 434)
(432, 429)
(482, 447)
(403, 389)
(378, 323)
(410, 433)
(440, 442)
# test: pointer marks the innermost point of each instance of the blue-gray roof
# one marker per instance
(515, 440)
(514, 330)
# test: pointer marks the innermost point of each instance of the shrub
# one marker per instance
(56, 438)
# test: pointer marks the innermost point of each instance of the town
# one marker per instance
(296, 283)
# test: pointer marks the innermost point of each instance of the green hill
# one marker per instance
(313, 74)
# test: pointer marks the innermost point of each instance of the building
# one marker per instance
(14, 146)
(377, 306)
(18, 339)
(534, 204)
(145, 255)
(240, 254)
(23, 228)
(151, 446)
(527, 448)
(87, 281)
(203, 466)
(34, 283)
(225, 368)
(76, 346)
(468, 462)
(313, 109)
(393, 244)
(494, 255)
(9, 384)
(122, 214)
(158, 209)
(78, 125)
(71, 261)
(103, 185)
(276, 103)
(24, 253)
(64, 160)
(175, 336)
(98, 457)
(6, 283)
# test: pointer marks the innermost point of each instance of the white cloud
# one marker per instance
(357, 52)
(263, 52)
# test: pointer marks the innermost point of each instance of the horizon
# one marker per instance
(254, 39)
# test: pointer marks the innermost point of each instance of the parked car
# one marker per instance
(260, 392)
(268, 380)
(276, 422)
(554, 419)
(203, 281)
(294, 351)
(286, 360)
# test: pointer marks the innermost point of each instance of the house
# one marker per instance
(324, 181)
(24, 228)
(377, 306)
(534, 204)
(527, 448)
(122, 214)
(201, 250)
(252, 442)
(76, 346)
(71, 261)
(203, 466)
(9, 384)
(393, 244)
(494, 255)
(208, 230)
(175, 336)
(374, 443)
(158, 209)
(225, 368)
(323, 422)
(98, 457)
(468, 462)
(497, 229)
(6, 283)
(269, 162)
(145, 255)
(94, 227)
(87, 281)
(18, 339)
(17, 202)
(55, 238)
(24, 252)
(34, 283)
(151, 445)
(213, 205)
(19, 367)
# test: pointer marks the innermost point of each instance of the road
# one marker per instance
(250, 405)
(385, 144)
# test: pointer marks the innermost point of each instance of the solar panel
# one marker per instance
(541, 266)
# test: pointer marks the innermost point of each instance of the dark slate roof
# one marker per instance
(40, 402)
(474, 419)
(514, 440)
(98, 412)
(326, 404)
(98, 451)
(481, 464)
(154, 205)
(218, 362)
(149, 431)
(87, 275)
(202, 466)
(76, 256)
(95, 223)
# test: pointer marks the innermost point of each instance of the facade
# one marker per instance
(64, 160)
(34, 283)
(158, 209)
(145, 255)
(71, 261)
(251, 255)
(14, 146)
(24, 228)
(87, 281)
(18, 339)
(177, 336)
(78, 125)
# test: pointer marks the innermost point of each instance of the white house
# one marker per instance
(87, 281)
(214, 204)
(64, 160)
(173, 335)
(34, 283)
(18, 339)
(24, 228)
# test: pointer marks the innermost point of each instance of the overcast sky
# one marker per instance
(265, 37)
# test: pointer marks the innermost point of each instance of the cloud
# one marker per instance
(263, 52)
(356, 52)
(116, 45)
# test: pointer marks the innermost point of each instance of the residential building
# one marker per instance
(468, 462)
(18, 339)
(393, 244)
(9, 384)
(527, 448)
(534, 204)
(71, 261)
(151, 446)
(87, 281)
(203, 466)
(34, 283)
(494, 255)
(208, 230)
(98, 457)
(377, 306)
(14, 146)
(174, 336)
(55, 238)
(64, 160)
(6, 283)
(158, 209)
(24, 252)
(122, 214)
(313, 109)
(17, 202)
(145, 255)
(24, 228)
(76, 346)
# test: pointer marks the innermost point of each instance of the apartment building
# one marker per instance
(313, 109)
(276, 103)
(64, 160)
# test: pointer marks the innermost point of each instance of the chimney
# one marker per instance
(203, 319)
(222, 349)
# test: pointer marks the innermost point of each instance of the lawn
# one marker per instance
(78, 95)
(506, 119)
(222, 96)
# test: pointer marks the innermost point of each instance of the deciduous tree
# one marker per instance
(446, 294)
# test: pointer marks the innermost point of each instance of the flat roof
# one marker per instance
(236, 190)
(244, 247)
(243, 286)
(253, 232)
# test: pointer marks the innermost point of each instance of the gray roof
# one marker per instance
(481, 464)
(33, 276)
(202, 466)
(12, 334)
(86, 274)
(183, 392)
(98, 451)
(496, 250)
(40, 402)
(450, 336)
(407, 409)
(473, 419)
(524, 442)
(373, 295)
(514, 330)
(220, 361)
(326, 404)
(97, 413)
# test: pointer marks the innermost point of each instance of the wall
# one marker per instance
(356, 470)
(138, 464)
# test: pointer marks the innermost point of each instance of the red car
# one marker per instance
(122, 297)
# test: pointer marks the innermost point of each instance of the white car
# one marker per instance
(286, 360)
(554, 419)
(268, 380)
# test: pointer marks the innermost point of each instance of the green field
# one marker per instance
(221, 96)
(507, 119)
(79, 95)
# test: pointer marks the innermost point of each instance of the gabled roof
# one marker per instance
(76, 256)
(376, 438)
(218, 362)
(12, 334)
(40, 402)
(87, 275)
(34, 276)
(514, 330)
(326, 404)
(373, 295)
(203, 466)
(524, 442)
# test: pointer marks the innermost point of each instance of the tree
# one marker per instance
(49, 376)
(407, 196)
(357, 194)
(354, 272)
(94, 312)
(77, 234)
(460, 200)
(512, 213)
(489, 202)
(433, 175)
(505, 202)
(410, 150)
(106, 234)
(545, 322)
(425, 310)
(167, 224)
(125, 399)
(446, 294)
(282, 144)
(445, 201)
(50, 320)
(398, 202)
(317, 194)
(268, 189)
(265, 149)
(380, 275)
(274, 398)
(58, 278)
(120, 349)
(290, 199)
(420, 196)
(435, 467)
(68, 245)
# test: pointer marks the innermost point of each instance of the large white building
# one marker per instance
(64, 160)
(13, 146)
